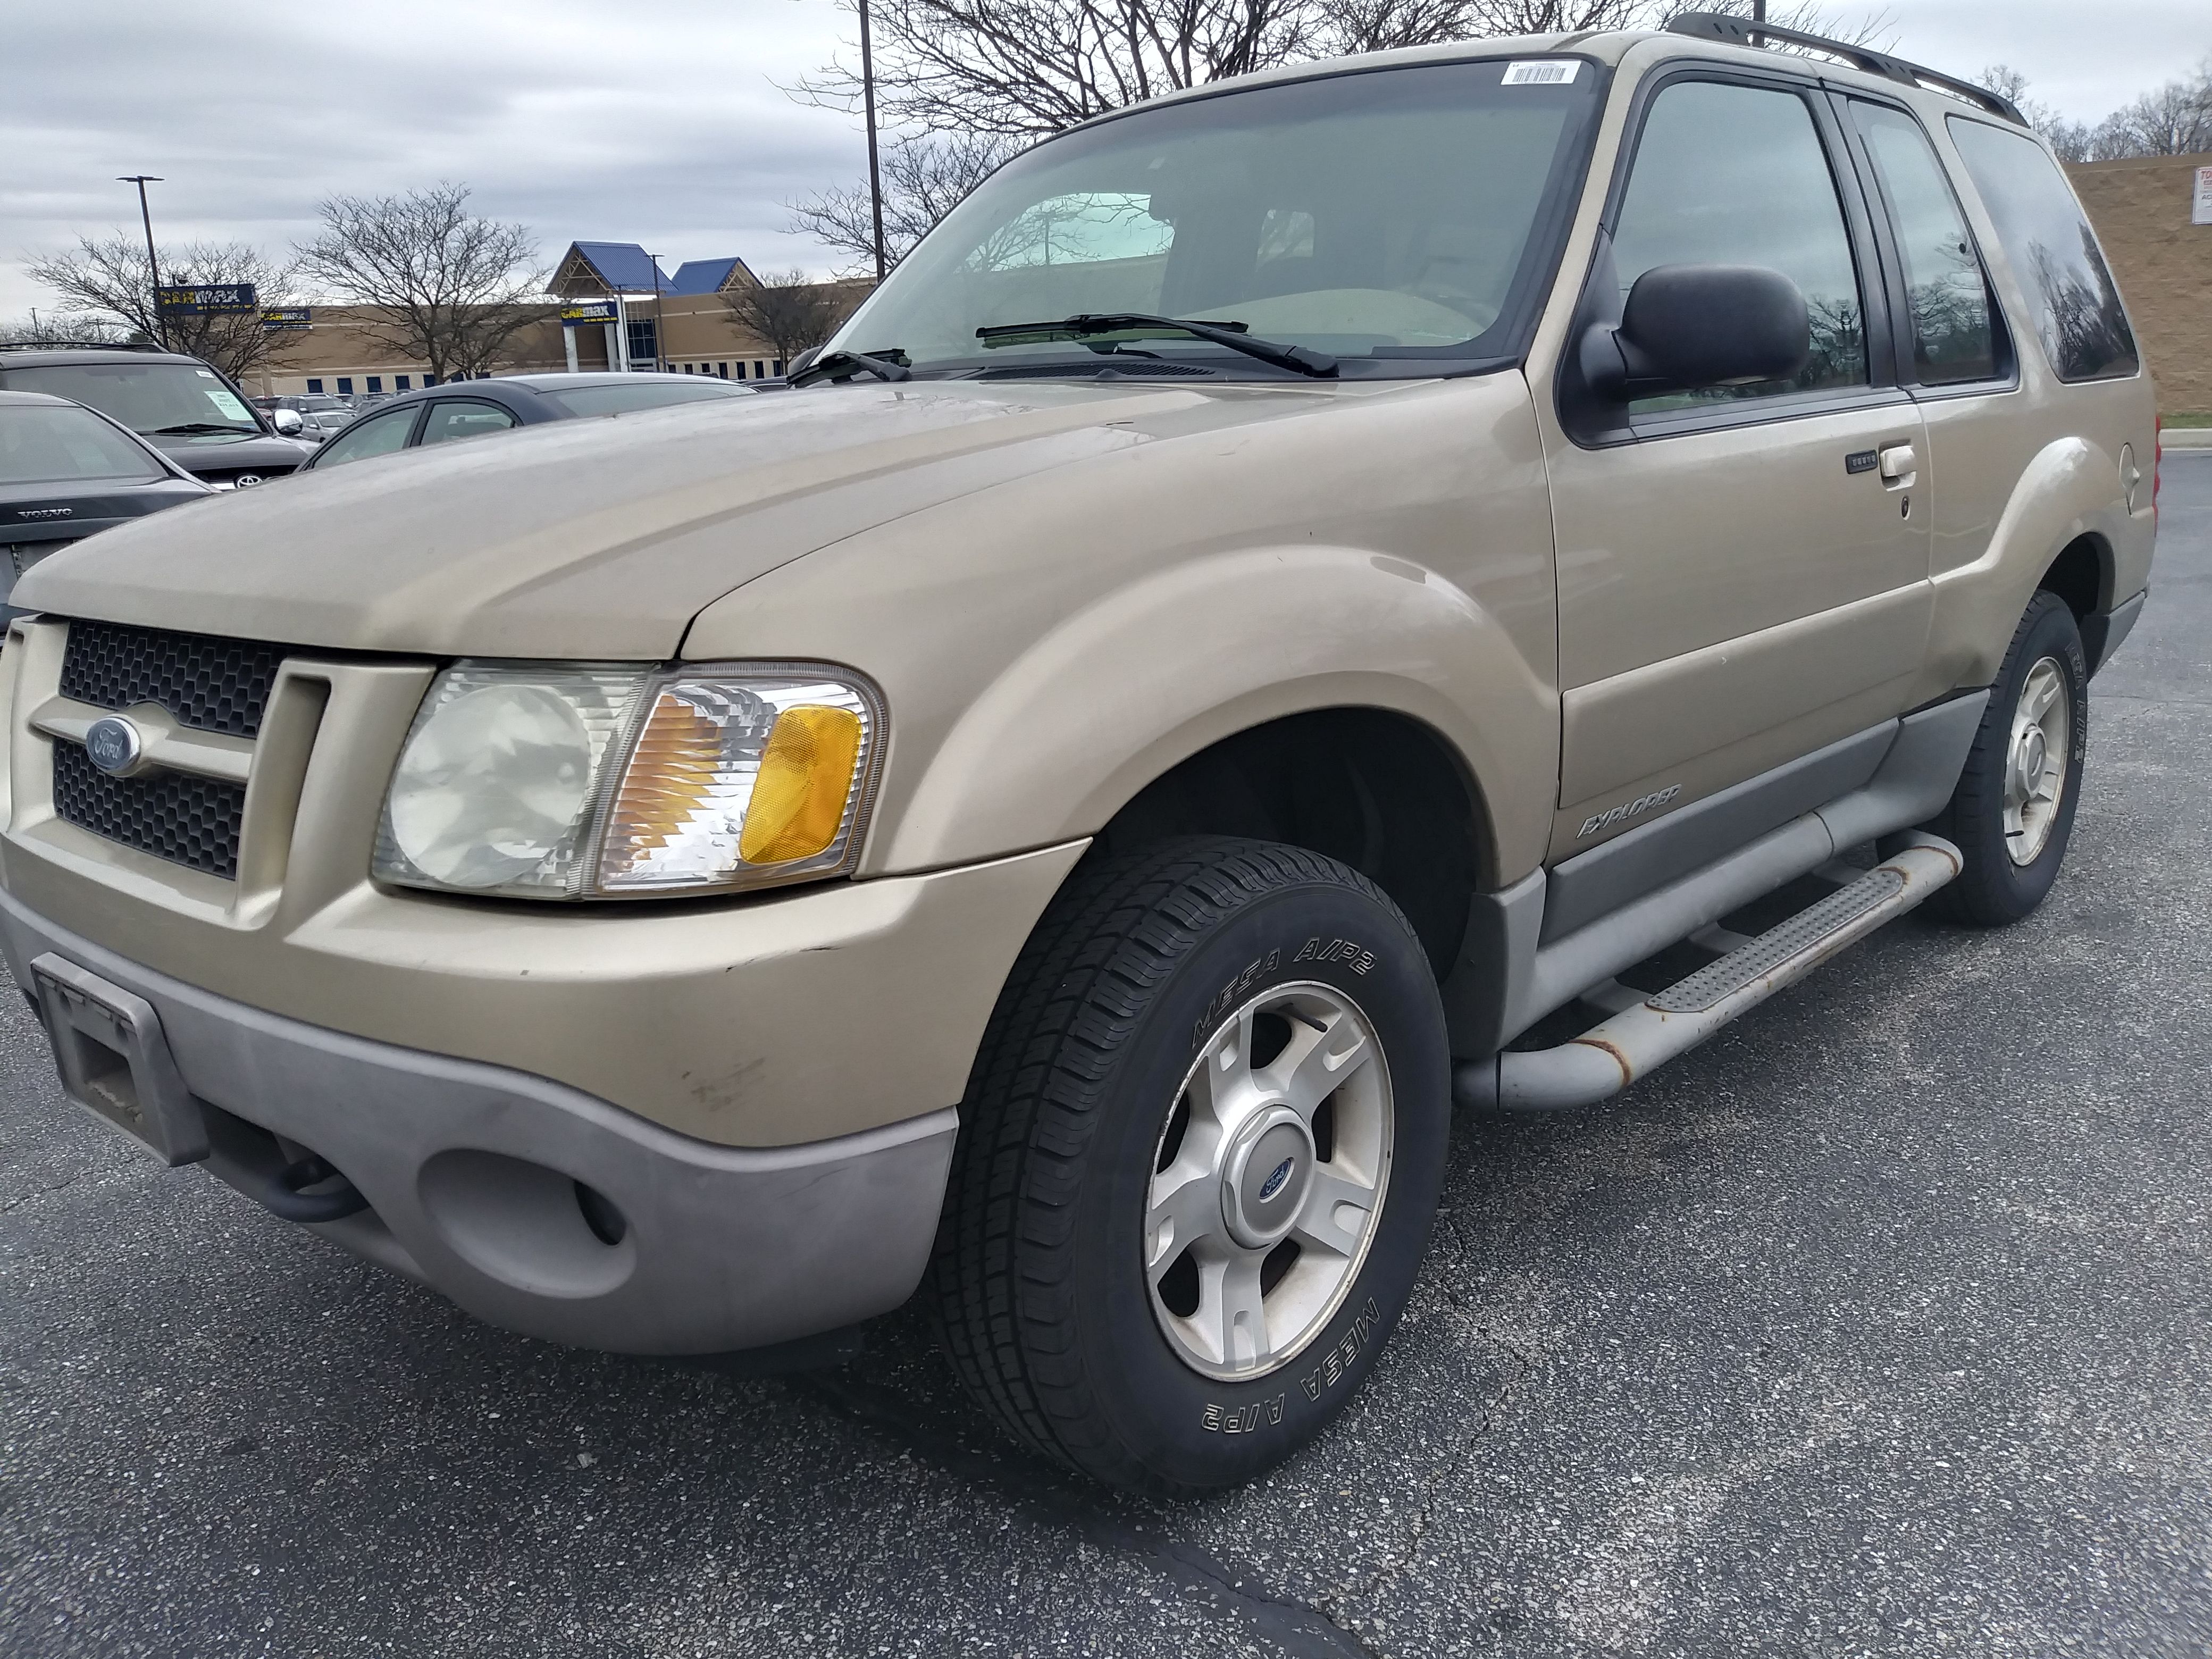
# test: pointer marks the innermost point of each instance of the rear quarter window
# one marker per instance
(2054, 254)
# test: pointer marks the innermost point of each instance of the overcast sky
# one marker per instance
(661, 125)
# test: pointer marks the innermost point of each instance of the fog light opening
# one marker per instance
(608, 1224)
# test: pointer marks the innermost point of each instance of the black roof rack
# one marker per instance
(1744, 32)
(81, 345)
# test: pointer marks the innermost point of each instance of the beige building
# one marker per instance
(2142, 208)
(616, 309)
(336, 354)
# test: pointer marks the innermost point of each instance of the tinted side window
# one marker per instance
(2054, 253)
(378, 436)
(1953, 338)
(458, 419)
(1731, 175)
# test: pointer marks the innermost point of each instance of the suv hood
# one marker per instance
(595, 537)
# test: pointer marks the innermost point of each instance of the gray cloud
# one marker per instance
(2084, 60)
(661, 125)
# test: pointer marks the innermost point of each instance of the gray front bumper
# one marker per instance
(471, 1171)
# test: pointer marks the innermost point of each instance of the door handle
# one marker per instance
(1900, 464)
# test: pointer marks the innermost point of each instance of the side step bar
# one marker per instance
(1606, 1058)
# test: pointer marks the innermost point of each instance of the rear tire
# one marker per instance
(1158, 1263)
(2013, 828)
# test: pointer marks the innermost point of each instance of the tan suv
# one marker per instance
(1300, 600)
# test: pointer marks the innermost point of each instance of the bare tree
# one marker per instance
(71, 330)
(965, 83)
(1025, 68)
(789, 312)
(106, 280)
(2073, 140)
(925, 177)
(440, 285)
(2174, 120)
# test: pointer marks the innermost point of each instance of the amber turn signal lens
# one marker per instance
(805, 779)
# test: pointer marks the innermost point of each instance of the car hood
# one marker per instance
(598, 538)
(212, 452)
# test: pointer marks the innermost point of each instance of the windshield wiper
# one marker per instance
(1233, 335)
(195, 426)
(886, 365)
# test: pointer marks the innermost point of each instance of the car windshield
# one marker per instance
(50, 444)
(624, 399)
(1376, 217)
(151, 397)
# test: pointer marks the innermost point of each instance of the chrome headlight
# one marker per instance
(565, 782)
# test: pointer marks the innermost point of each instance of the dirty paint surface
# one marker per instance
(1879, 1325)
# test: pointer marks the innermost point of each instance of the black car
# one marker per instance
(472, 409)
(66, 471)
(189, 410)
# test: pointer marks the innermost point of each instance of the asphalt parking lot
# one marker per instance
(1881, 1325)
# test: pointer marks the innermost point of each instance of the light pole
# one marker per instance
(146, 218)
(660, 345)
(875, 169)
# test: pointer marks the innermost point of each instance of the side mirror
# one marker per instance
(1688, 327)
(287, 423)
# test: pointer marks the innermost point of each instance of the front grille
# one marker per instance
(236, 477)
(188, 820)
(211, 684)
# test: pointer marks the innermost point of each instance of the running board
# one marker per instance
(1652, 1029)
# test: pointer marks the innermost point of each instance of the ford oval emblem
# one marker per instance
(1276, 1178)
(112, 745)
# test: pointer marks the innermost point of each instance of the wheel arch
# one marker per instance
(2062, 530)
(1372, 787)
(1100, 711)
(2081, 573)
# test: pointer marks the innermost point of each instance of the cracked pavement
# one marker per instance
(1877, 1326)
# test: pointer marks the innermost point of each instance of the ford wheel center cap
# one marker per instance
(112, 745)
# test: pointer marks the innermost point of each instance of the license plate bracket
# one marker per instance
(114, 1059)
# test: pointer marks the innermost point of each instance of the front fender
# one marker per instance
(1121, 691)
(1051, 643)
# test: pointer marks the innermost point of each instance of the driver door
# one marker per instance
(1743, 572)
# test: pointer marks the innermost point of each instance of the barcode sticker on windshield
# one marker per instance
(1541, 72)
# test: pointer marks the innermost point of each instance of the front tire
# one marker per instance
(1197, 1164)
(2012, 813)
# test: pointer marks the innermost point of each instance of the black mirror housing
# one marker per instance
(1688, 327)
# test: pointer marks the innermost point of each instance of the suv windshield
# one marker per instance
(148, 398)
(48, 444)
(1376, 216)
